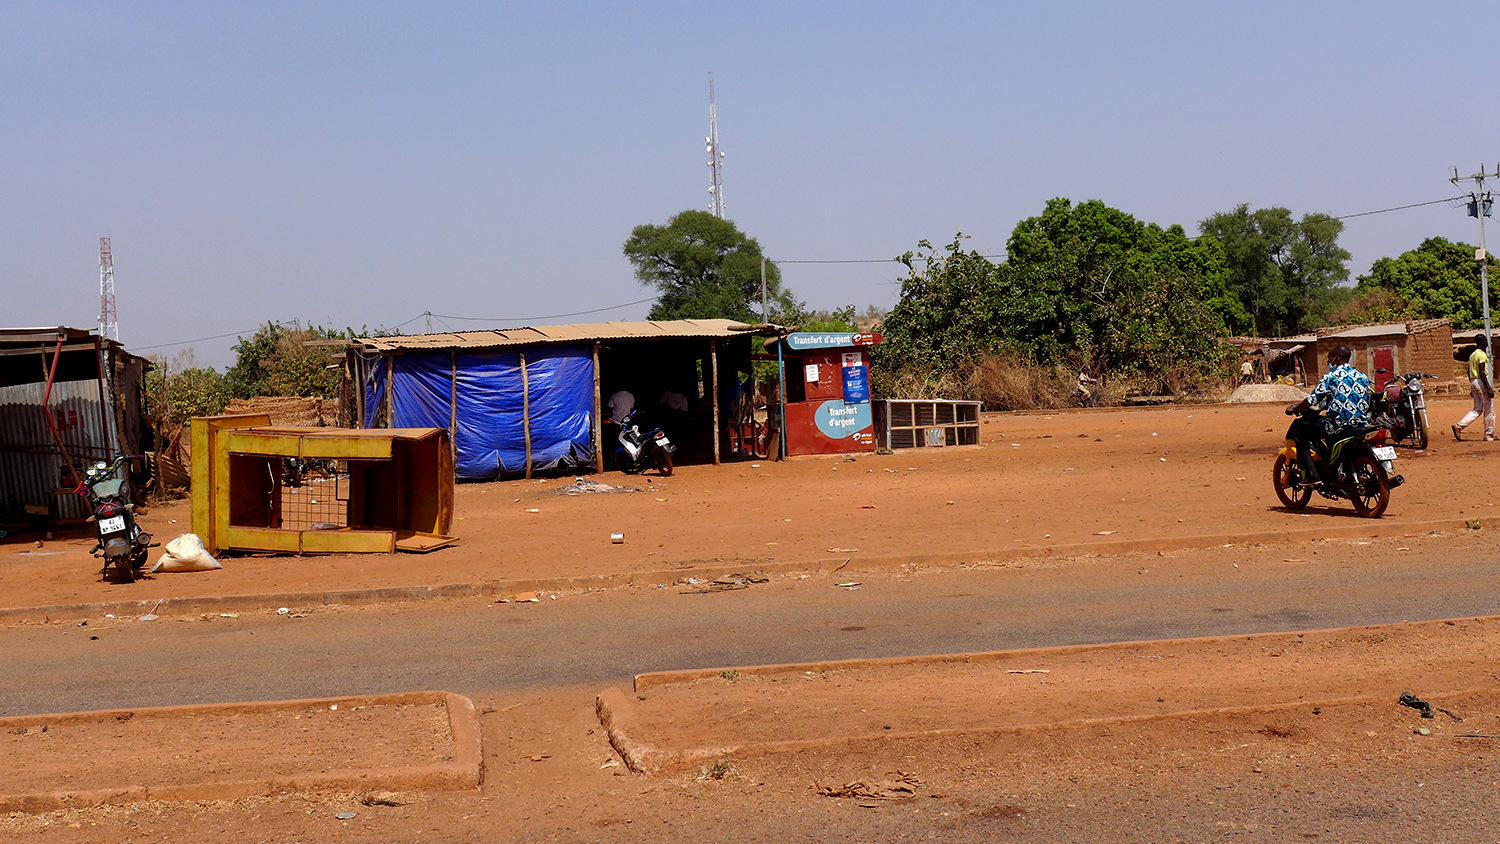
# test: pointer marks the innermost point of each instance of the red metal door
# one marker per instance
(1383, 357)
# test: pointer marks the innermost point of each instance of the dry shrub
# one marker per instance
(1003, 382)
(1009, 382)
(918, 384)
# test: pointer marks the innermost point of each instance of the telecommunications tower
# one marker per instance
(109, 323)
(715, 156)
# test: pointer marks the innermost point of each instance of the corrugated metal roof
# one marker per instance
(32, 336)
(575, 333)
(1380, 330)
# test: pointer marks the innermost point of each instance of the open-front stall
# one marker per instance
(827, 394)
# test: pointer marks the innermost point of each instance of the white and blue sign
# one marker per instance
(802, 340)
(839, 420)
(856, 378)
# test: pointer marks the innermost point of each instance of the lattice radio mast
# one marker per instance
(109, 323)
(715, 156)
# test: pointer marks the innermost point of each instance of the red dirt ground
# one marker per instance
(160, 750)
(1162, 476)
(1033, 688)
(1341, 762)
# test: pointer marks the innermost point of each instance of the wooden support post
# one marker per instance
(453, 409)
(713, 356)
(390, 391)
(598, 417)
(357, 366)
(526, 412)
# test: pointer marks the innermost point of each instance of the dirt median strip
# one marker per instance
(417, 741)
(1380, 528)
(676, 719)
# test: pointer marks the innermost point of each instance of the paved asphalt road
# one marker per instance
(472, 646)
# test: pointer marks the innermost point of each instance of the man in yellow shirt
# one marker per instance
(1480, 389)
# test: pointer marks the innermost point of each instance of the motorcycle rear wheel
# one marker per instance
(1372, 490)
(1284, 476)
(664, 463)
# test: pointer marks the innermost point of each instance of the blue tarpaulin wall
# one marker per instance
(481, 392)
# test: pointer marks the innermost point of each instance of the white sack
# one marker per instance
(186, 553)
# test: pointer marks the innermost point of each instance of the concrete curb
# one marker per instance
(656, 679)
(617, 713)
(1362, 529)
(652, 760)
(463, 773)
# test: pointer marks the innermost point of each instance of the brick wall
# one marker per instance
(1427, 346)
(1430, 349)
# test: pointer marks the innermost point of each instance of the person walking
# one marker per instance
(1482, 392)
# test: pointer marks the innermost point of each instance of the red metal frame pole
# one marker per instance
(47, 397)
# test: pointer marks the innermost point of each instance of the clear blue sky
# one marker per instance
(358, 164)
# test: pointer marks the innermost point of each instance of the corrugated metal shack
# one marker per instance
(64, 391)
(522, 400)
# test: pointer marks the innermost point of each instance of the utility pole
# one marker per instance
(109, 323)
(715, 156)
(765, 305)
(1480, 202)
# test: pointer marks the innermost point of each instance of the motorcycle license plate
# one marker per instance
(1384, 452)
(113, 524)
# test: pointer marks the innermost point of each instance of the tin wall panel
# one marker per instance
(30, 465)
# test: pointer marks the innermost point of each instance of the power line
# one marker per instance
(1398, 208)
(534, 318)
(199, 340)
(860, 261)
(897, 260)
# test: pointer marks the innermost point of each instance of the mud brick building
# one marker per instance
(1415, 346)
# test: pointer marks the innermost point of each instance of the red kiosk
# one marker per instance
(827, 395)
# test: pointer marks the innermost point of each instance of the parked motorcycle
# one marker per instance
(1356, 466)
(1402, 408)
(639, 452)
(121, 542)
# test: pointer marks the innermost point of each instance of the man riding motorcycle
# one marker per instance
(1344, 396)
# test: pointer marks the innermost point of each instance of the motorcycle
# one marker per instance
(1402, 408)
(121, 542)
(639, 452)
(1356, 466)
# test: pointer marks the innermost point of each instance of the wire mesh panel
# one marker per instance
(314, 494)
(926, 423)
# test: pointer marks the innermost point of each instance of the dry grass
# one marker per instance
(1005, 382)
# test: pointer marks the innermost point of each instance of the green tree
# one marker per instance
(946, 316)
(179, 389)
(1286, 273)
(837, 320)
(1115, 293)
(704, 267)
(276, 361)
(1089, 286)
(1437, 279)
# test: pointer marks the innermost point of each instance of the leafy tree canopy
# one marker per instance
(1437, 279)
(704, 267)
(275, 362)
(179, 389)
(1088, 285)
(1285, 273)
